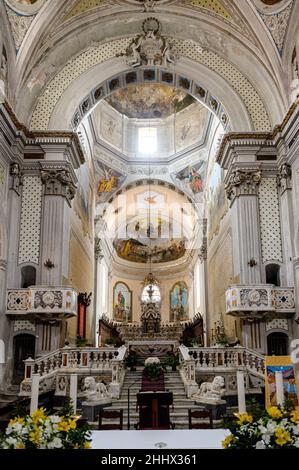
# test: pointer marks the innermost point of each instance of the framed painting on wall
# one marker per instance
(280, 364)
(122, 302)
(178, 302)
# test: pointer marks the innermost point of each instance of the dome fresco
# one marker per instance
(149, 101)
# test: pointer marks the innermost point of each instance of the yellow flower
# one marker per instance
(87, 445)
(295, 416)
(17, 420)
(64, 426)
(228, 441)
(20, 445)
(282, 437)
(244, 418)
(34, 436)
(274, 412)
(73, 423)
(39, 414)
(76, 446)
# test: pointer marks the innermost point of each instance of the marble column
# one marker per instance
(34, 393)
(242, 190)
(241, 391)
(73, 391)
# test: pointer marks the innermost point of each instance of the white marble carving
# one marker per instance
(211, 391)
(95, 392)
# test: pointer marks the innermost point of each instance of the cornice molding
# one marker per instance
(250, 139)
(68, 138)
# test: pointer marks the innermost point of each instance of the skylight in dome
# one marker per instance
(147, 140)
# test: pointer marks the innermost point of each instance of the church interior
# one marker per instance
(149, 209)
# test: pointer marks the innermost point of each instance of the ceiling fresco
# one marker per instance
(149, 101)
(191, 180)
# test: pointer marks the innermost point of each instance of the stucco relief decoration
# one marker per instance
(21, 14)
(150, 48)
(2, 178)
(275, 15)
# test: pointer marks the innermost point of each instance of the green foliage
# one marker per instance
(171, 360)
(67, 410)
(81, 342)
(196, 342)
(19, 410)
(154, 370)
(111, 341)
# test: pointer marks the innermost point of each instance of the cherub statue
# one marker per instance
(211, 390)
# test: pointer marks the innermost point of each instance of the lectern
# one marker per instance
(154, 410)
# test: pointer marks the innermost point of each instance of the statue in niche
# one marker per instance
(295, 78)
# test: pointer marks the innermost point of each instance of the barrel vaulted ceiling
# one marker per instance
(64, 48)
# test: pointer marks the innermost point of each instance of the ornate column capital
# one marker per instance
(243, 183)
(58, 182)
(17, 177)
(284, 177)
(98, 249)
(85, 298)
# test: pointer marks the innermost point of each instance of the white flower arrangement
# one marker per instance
(277, 428)
(42, 431)
(151, 360)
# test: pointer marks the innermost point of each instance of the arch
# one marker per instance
(149, 75)
(277, 343)
(23, 347)
(28, 276)
(272, 271)
(155, 293)
(212, 63)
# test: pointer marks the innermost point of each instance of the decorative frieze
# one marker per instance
(44, 302)
(243, 183)
(276, 323)
(257, 301)
(58, 182)
(23, 325)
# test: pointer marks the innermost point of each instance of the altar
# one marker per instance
(159, 439)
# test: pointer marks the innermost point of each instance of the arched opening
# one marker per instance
(277, 344)
(151, 293)
(28, 277)
(24, 347)
(273, 274)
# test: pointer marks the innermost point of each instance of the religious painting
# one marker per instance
(149, 101)
(191, 180)
(110, 125)
(190, 126)
(122, 302)
(280, 364)
(151, 200)
(141, 252)
(217, 200)
(178, 302)
(109, 181)
(83, 200)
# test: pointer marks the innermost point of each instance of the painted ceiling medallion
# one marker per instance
(25, 7)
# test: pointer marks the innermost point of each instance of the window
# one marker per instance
(151, 293)
(28, 277)
(147, 140)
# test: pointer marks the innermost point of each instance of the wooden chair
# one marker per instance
(113, 414)
(200, 414)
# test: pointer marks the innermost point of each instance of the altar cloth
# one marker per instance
(165, 439)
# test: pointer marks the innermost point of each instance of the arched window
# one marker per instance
(151, 293)
(28, 274)
(277, 344)
(273, 274)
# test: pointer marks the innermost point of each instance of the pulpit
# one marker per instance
(154, 410)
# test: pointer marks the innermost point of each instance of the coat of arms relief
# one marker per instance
(150, 48)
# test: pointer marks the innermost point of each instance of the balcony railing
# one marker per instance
(255, 301)
(42, 301)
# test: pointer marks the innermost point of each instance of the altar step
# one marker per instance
(173, 383)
